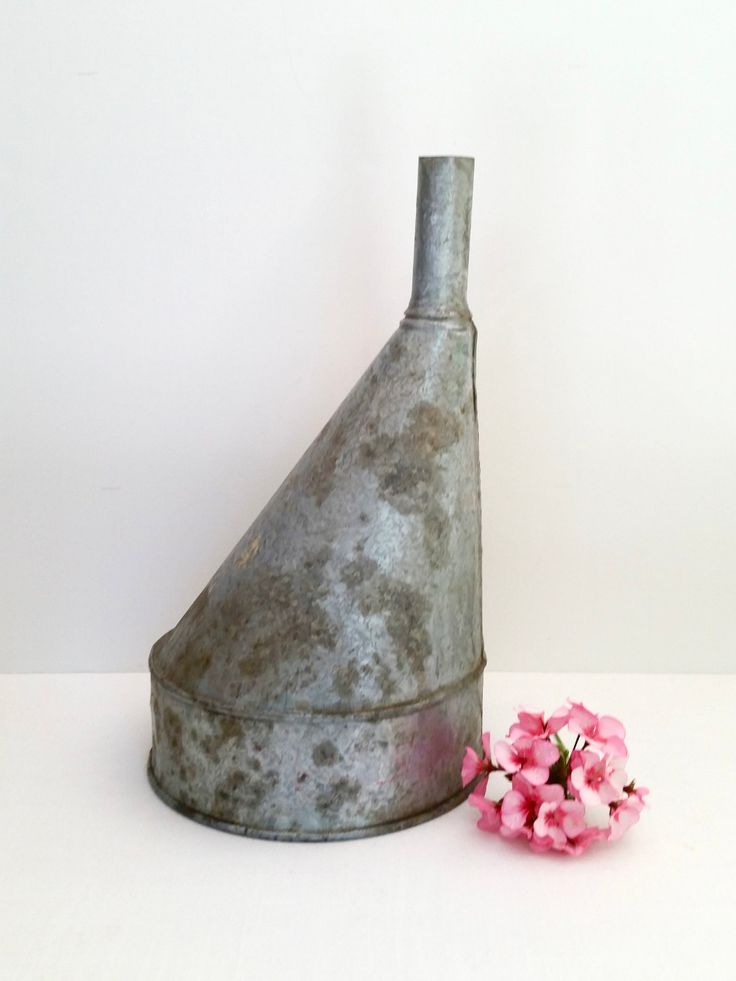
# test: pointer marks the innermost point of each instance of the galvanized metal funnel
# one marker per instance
(324, 683)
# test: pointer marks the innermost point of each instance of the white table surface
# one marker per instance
(99, 880)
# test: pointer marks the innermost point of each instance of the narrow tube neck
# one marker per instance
(442, 239)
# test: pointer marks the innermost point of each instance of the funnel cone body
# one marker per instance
(326, 680)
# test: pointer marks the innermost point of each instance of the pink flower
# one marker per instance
(603, 731)
(557, 823)
(517, 814)
(553, 816)
(533, 724)
(520, 805)
(594, 780)
(625, 813)
(529, 756)
(490, 812)
(640, 793)
(474, 765)
(584, 840)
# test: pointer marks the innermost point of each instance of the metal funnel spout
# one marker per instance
(442, 238)
(325, 681)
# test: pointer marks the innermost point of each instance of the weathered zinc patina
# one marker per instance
(324, 683)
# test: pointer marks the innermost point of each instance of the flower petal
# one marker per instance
(531, 722)
(581, 721)
(638, 795)
(514, 809)
(481, 787)
(544, 753)
(522, 786)
(558, 719)
(589, 796)
(507, 758)
(608, 726)
(508, 832)
(614, 746)
(471, 766)
(572, 818)
(584, 840)
(550, 792)
(540, 826)
(539, 844)
(607, 793)
(536, 775)
(488, 822)
(490, 818)
(577, 777)
(622, 819)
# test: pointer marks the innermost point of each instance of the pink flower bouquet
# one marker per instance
(560, 799)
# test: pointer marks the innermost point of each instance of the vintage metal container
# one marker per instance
(324, 683)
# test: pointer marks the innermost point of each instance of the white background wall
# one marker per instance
(207, 224)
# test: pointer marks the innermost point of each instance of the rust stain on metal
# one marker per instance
(248, 552)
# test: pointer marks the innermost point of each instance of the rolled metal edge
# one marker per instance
(349, 834)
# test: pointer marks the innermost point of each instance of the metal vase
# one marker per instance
(325, 682)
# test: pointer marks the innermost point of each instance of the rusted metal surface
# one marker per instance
(324, 683)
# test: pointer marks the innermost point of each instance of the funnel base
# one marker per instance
(345, 834)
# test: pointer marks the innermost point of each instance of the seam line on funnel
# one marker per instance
(452, 324)
(409, 707)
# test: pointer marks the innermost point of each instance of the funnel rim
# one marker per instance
(460, 157)
(344, 834)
